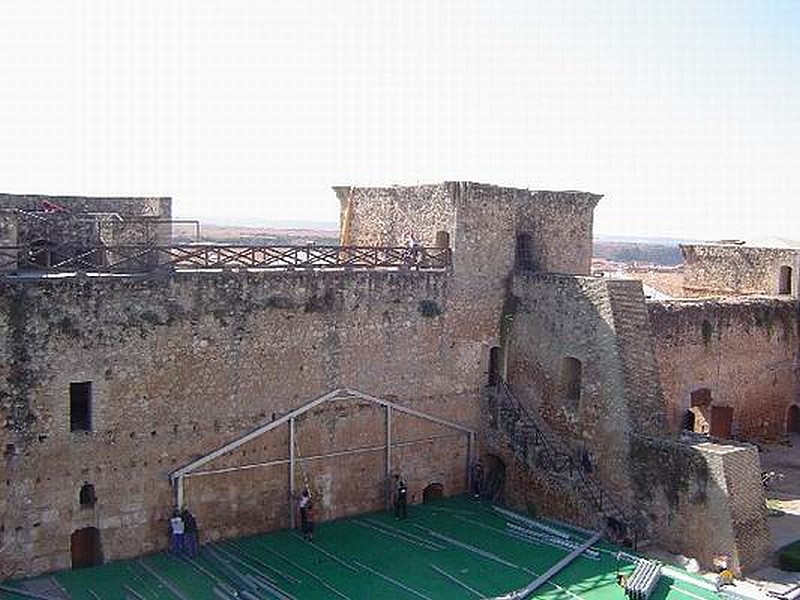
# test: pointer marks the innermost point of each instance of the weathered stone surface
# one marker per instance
(744, 351)
(182, 364)
(732, 269)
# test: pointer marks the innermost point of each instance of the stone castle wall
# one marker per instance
(598, 323)
(703, 500)
(726, 269)
(744, 351)
(84, 222)
(181, 365)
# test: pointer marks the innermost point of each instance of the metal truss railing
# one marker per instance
(146, 258)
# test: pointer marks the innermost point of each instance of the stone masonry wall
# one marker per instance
(559, 317)
(723, 270)
(559, 223)
(181, 365)
(703, 500)
(744, 351)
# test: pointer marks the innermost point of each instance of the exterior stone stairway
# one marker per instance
(541, 450)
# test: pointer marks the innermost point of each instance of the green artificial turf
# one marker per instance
(454, 548)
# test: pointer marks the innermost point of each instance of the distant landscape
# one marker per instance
(621, 249)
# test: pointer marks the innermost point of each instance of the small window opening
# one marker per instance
(785, 281)
(80, 406)
(87, 496)
(524, 253)
(571, 374)
(442, 239)
(494, 366)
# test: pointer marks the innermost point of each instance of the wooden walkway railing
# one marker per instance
(146, 258)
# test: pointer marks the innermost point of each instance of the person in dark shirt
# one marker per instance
(190, 533)
(400, 499)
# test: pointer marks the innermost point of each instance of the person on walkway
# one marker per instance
(189, 533)
(176, 532)
(400, 498)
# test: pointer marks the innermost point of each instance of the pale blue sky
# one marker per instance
(684, 113)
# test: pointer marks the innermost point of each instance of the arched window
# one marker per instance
(571, 374)
(442, 239)
(87, 496)
(785, 281)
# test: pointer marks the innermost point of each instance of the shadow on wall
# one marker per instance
(580, 356)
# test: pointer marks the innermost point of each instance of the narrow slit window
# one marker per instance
(80, 406)
(572, 372)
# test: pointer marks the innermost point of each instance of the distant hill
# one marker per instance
(654, 251)
(236, 234)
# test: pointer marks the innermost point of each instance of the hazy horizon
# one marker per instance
(683, 114)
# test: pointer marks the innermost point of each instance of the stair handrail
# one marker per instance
(598, 495)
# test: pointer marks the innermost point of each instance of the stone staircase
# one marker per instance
(536, 446)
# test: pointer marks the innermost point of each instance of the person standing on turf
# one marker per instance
(189, 533)
(400, 498)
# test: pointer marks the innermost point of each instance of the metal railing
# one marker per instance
(551, 457)
(141, 258)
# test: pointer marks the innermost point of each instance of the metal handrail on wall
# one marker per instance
(140, 258)
(562, 461)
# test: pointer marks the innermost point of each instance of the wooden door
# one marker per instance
(85, 547)
(721, 421)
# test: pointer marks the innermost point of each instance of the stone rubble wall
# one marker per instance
(702, 500)
(744, 350)
(727, 269)
(181, 365)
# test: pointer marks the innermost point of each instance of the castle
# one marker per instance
(137, 373)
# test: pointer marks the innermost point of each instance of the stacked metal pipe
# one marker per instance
(643, 580)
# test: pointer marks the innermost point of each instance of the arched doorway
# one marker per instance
(434, 491)
(793, 419)
(85, 548)
(442, 239)
(687, 423)
(494, 478)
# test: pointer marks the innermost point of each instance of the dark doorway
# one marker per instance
(721, 421)
(524, 253)
(442, 239)
(85, 548)
(494, 366)
(494, 478)
(793, 419)
(687, 424)
(785, 281)
(434, 491)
